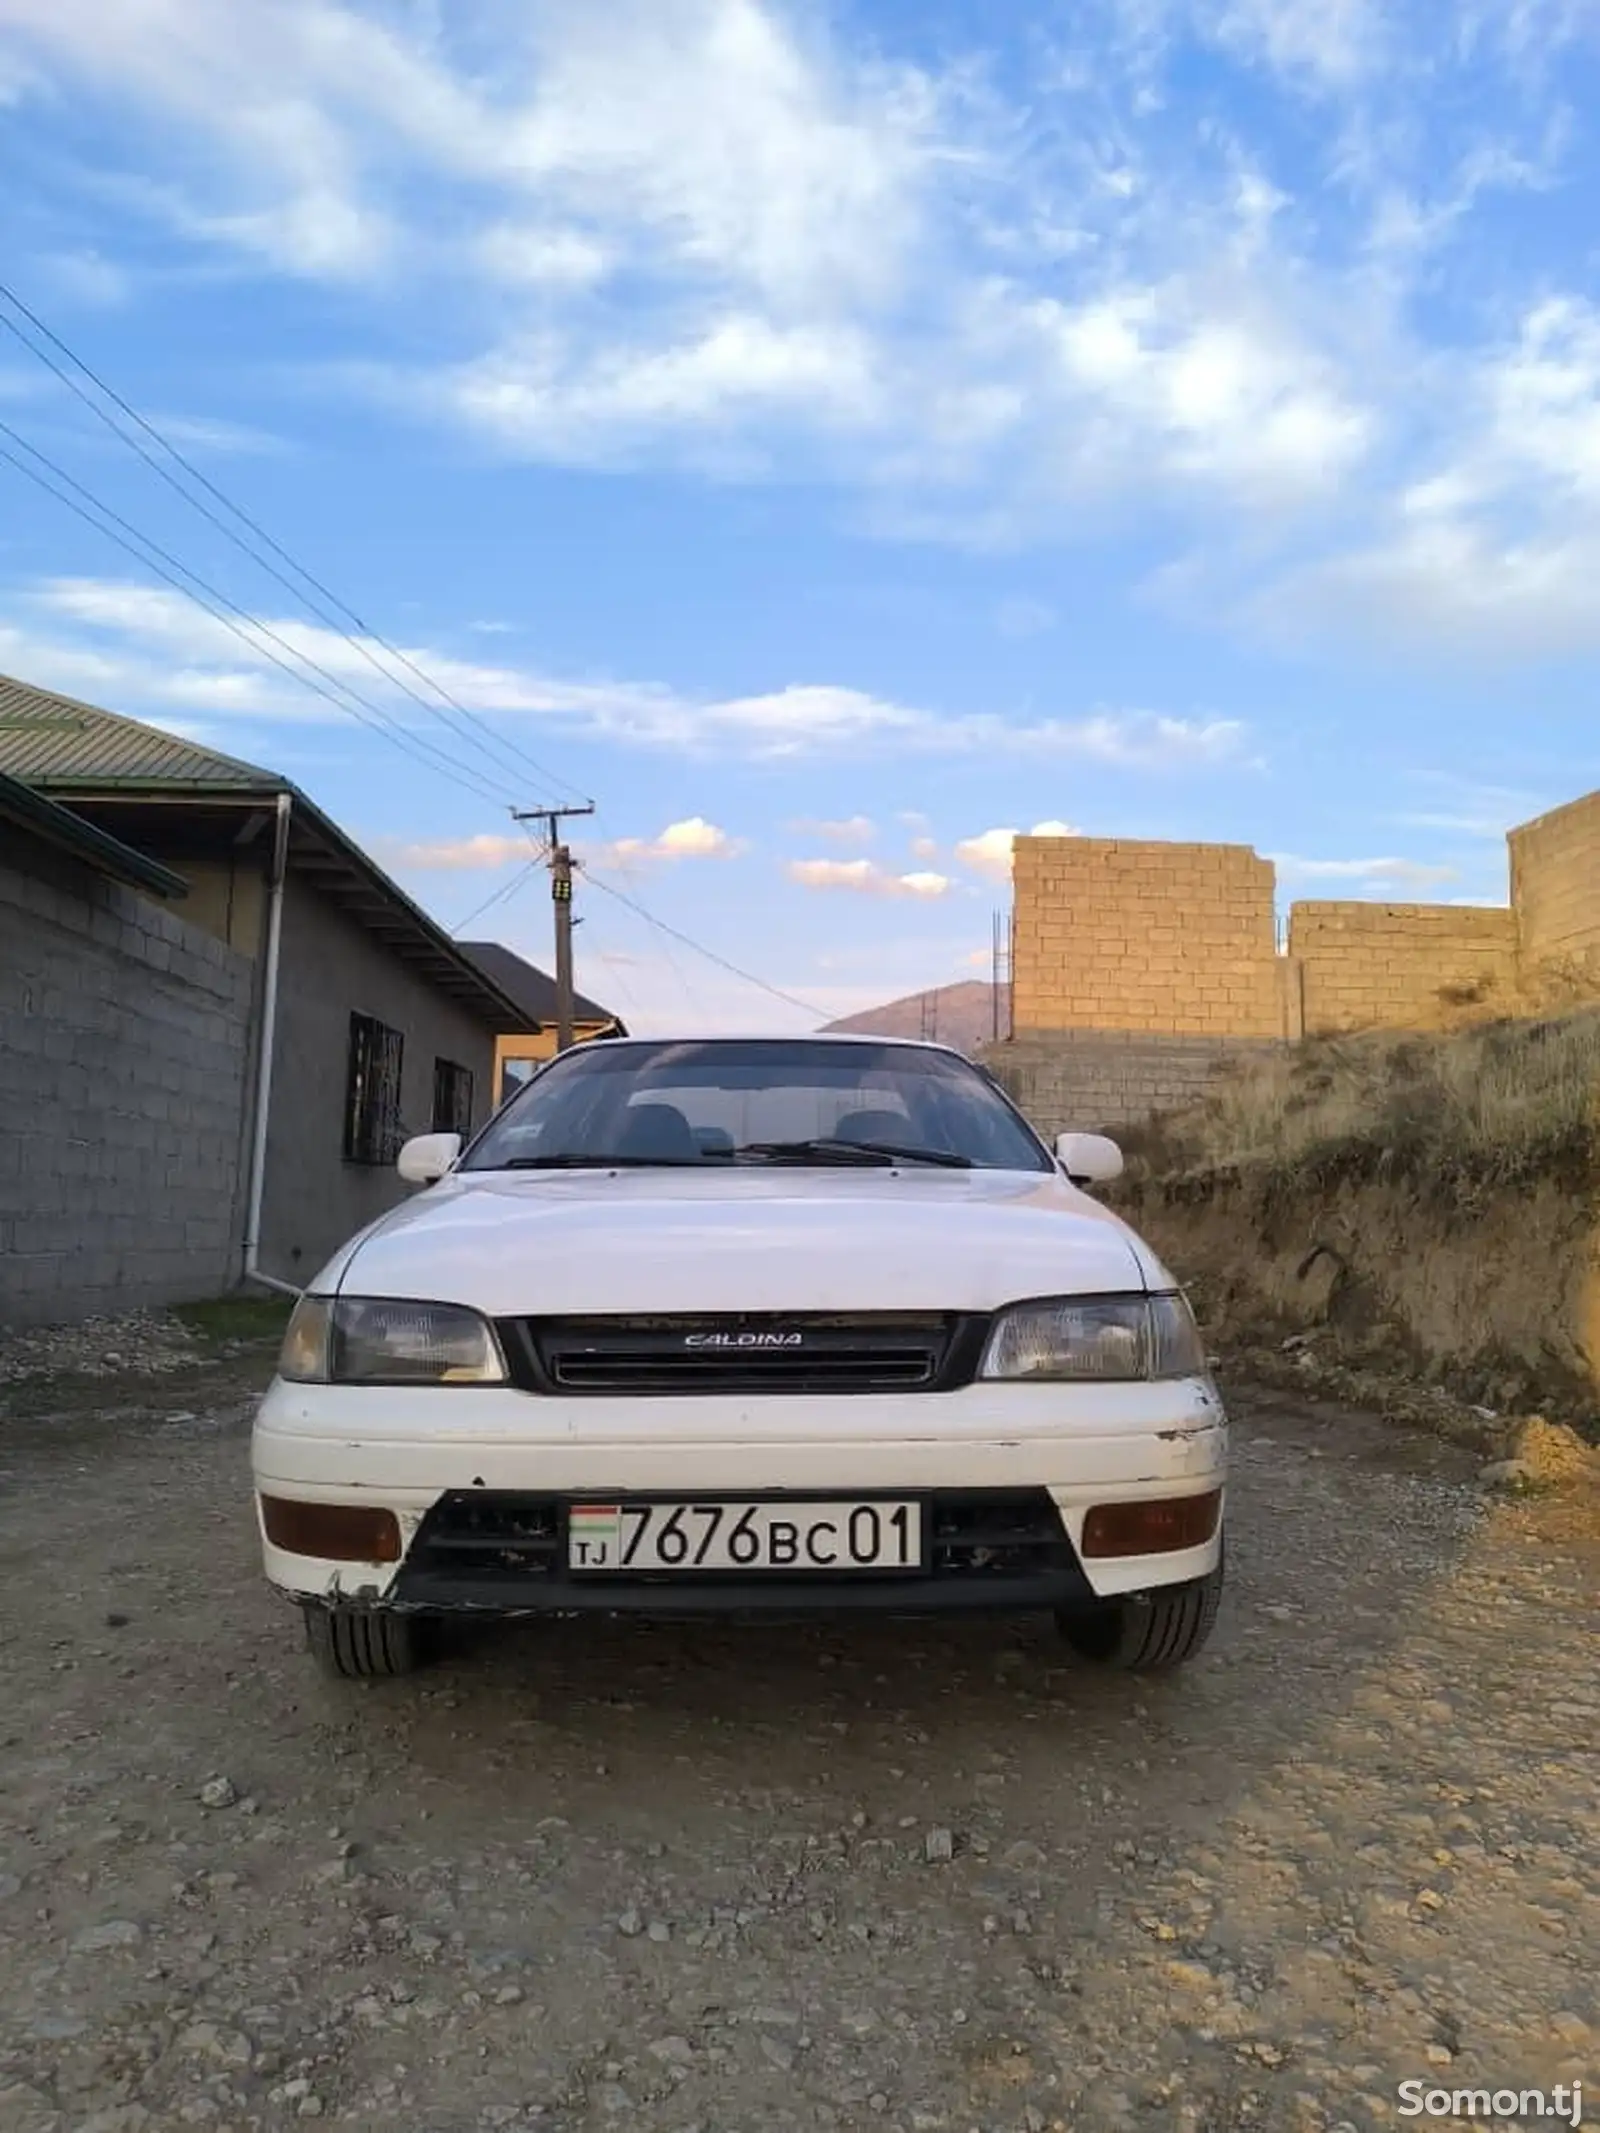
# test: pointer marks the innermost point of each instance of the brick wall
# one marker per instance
(1555, 891)
(123, 1069)
(1156, 939)
(1098, 1081)
(1401, 966)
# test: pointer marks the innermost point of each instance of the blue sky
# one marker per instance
(833, 439)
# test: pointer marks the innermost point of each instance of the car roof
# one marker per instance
(829, 1037)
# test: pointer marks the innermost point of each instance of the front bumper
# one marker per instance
(480, 1480)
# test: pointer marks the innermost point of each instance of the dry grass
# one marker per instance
(1481, 1110)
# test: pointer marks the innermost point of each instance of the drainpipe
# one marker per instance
(269, 1025)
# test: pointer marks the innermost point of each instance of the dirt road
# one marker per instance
(585, 1876)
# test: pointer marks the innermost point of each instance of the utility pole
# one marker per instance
(561, 901)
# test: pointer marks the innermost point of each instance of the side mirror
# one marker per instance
(1088, 1158)
(425, 1160)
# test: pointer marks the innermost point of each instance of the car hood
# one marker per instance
(625, 1241)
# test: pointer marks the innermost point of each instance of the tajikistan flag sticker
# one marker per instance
(598, 1526)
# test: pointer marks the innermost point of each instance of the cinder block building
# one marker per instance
(1141, 970)
(218, 1019)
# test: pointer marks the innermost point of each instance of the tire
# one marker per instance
(363, 1643)
(1150, 1634)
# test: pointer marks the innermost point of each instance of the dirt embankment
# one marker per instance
(1424, 1212)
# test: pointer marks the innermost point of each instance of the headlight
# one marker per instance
(1096, 1339)
(367, 1340)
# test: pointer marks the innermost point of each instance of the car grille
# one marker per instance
(771, 1352)
(998, 1533)
(490, 1536)
(494, 1540)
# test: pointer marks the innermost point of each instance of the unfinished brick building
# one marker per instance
(1140, 970)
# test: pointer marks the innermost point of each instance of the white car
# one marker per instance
(755, 1325)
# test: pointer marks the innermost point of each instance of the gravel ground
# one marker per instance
(901, 1876)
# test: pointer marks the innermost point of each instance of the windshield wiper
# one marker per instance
(596, 1162)
(879, 1153)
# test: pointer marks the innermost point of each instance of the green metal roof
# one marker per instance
(56, 743)
(85, 757)
(21, 806)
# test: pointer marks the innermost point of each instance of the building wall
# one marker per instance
(228, 898)
(1100, 1081)
(1555, 891)
(330, 968)
(526, 1051)
(1401, 966)
(1155, 939)
(124, 1053)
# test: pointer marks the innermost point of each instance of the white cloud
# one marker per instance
(1458, 825)
(693, 838)
(146, 650)
(1494, 547)
(564, 402)
(538, 256)
(1221, 390)
(865, 878)
(451, 854)
(709, 231)
(989, 854)
(205, 433)
(1373, 872)
(709, 133)
(86, 278)
(718, 234)
(1334, 42)
(853, 829)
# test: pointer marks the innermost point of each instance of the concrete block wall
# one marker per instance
(1555, 893)
(124, 1065)
(1100, 1081)
(331, 967)
(1402, 966)
(1136, 938)
(1144, 938)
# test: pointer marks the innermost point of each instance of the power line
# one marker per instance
(212, 602)
(546, 848)
(376, 719)
(496, 896)
(710, 954)
(512, 751)
(673, 964)
(615, 978)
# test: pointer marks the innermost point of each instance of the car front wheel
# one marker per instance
(363, 1643)
(1147, 1633)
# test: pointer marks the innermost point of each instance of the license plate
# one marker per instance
(786, 1538)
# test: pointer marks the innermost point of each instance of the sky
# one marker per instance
(830, 439)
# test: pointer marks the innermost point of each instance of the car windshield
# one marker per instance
(758, 1101)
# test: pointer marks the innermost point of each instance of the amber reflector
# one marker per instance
(338, 1532)
(1158, 1526)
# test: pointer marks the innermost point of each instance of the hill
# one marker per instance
(962, 1015)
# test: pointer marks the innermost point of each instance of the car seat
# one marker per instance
(891, 1126)
(659, 1133)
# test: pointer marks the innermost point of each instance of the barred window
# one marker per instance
(452, 1098)
(372, 1130)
